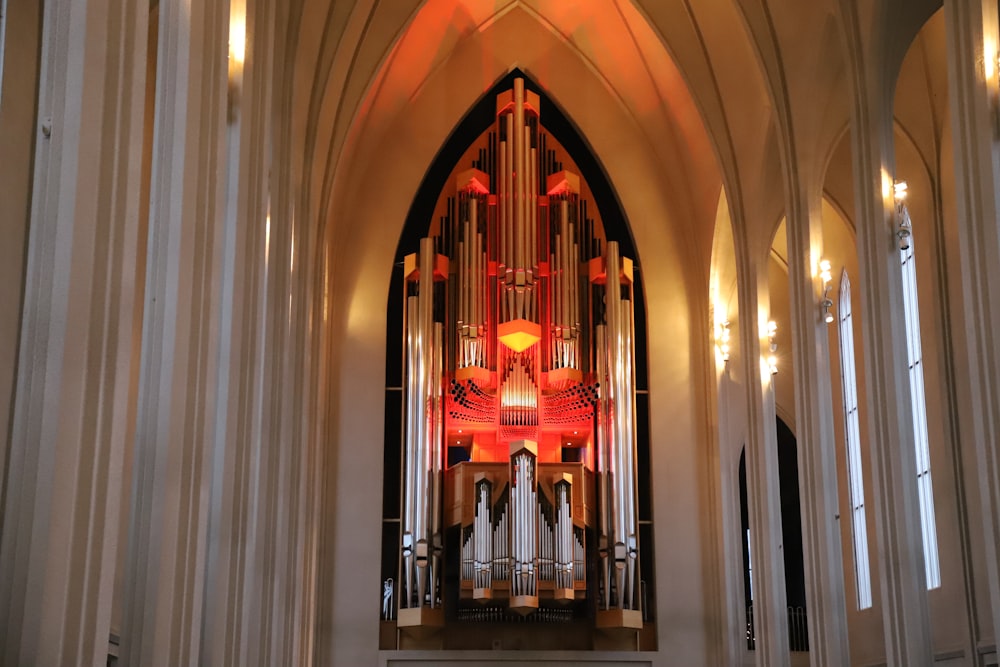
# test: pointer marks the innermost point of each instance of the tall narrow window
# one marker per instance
(914, 359)
(852, 436)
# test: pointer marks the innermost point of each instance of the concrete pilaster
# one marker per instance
(72, 394)
(763, 490)
(889, 426)
(824, 574)
(974, 89)
(177, 409)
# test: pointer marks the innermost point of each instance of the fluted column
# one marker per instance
(889, 423)
(179, 376)
(974, 90)
(763, 492)
(72, 394)
(824, 573)
(243, 588)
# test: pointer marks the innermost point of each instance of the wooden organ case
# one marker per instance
(519, 489)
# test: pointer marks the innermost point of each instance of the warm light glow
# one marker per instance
(326, 286)
(722, 336)
(267, 235)
(886, 184)
(824, 272)
(770, 362)
(990, 58)
(899, 190)
(826, 304)
(519, 335)
(237, 37)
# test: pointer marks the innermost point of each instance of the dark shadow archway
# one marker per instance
(791, 537)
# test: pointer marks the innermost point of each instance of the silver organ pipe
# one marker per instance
(508, 220)
(421, 518)
(479, 285)
(482, 538)
(426, 359)
(468, 557)
(501, 560)
(575, 301)
(612, 302)
(628, 410)
(532, 223)
(621, 443)
(524, 531)
(519, 176)
(564, 282)
(411, 474)
(435, 459)
(502, 227)
(563, 538)
(606, 498)
(471, 290)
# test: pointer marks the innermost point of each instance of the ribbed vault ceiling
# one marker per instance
(725, 93)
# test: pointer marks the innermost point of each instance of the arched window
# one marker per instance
(914, 359)
(852, 437)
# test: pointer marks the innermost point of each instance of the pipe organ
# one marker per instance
(519, 394)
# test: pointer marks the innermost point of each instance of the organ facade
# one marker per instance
(518, 453)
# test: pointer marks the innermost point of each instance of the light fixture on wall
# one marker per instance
(722, 340)
(772, 344)
(903, 226)
(826, 304)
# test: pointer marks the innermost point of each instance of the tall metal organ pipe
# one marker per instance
(412, 428)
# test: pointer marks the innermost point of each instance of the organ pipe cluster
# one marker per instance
(520, 364)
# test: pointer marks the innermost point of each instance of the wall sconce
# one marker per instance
(772, 358)
(903, 227)
(826, 304)
(722, 340)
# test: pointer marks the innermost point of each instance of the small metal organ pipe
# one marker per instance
(524, 531)
(482, 535)
(564, 536)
